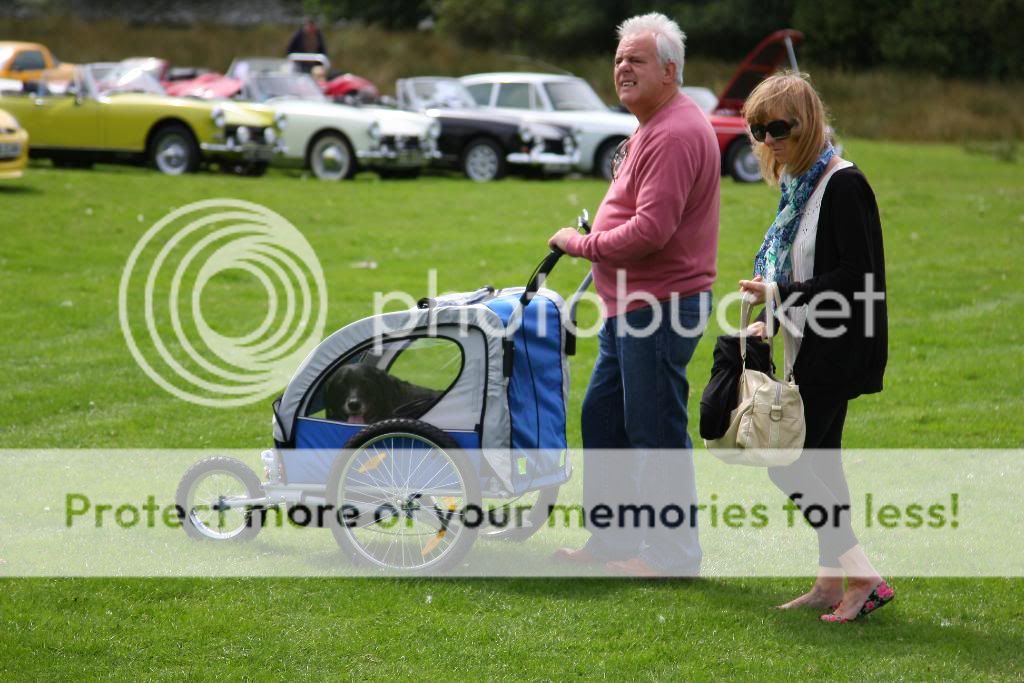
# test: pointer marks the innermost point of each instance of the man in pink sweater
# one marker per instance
(653, 248)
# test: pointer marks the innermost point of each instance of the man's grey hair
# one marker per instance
(668, 37)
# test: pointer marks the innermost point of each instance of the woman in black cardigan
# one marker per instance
(824, 253)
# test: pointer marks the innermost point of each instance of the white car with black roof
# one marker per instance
(562, 100)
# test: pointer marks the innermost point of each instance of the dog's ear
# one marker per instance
(336, 380)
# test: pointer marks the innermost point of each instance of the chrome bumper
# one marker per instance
(546, 160)
(248, 152)
(9, 151)
(392, 158)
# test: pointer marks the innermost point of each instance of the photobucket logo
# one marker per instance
(222, 252)
(828, 314)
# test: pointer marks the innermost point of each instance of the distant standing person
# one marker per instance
(307, 39)
(653, 249)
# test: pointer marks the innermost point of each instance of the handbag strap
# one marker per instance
(773, 300)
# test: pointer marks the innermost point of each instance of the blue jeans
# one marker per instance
(637, 400)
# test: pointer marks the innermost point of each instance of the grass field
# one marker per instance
(953, 225)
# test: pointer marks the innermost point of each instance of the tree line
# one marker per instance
(964, 38)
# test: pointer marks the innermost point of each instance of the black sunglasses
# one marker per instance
(779, 130)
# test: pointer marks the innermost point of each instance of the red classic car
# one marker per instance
(170, 77)
(738, 159)
(347, 88)
(340, 87)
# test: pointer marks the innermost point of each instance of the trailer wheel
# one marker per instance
(405, 498)
(204, 496)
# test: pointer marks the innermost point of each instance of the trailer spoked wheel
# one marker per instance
(405, 498)
(206, 496)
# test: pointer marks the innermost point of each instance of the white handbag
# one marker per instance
(766, 428)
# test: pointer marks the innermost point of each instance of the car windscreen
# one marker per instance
(291, 86)
(451, 94)
(153, 67)
(125, 80)
(573, 96)
(243, 67)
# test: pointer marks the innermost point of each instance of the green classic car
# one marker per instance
(108, 114)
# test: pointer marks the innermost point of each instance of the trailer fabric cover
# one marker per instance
(478, 329)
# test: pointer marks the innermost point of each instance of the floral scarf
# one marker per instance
(774, 260)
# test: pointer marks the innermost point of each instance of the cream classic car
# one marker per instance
(334, 141)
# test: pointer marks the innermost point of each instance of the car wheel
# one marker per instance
(741, 162)
(330, 157)
(483, 161)
(173, 150)
(603, 158)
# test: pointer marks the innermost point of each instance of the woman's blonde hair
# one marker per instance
(788, 95)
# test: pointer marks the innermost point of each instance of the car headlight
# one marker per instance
(243, 135)
(269, 136)
(218, 117)
(14, 123)
(569, 144)
(281, 120)
(434, 130)
(374, 131)
(525, 133)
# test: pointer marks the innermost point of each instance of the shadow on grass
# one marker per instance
(18, 189)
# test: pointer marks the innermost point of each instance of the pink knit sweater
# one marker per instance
(659, 220)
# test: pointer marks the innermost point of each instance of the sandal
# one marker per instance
(881, 595)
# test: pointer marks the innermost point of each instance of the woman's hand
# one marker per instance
(754, 291)
(561, 238)
(758, 329)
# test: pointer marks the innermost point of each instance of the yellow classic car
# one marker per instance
(13, 147)
(108, 114)
(22, 61)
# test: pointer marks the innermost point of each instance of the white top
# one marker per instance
(803, 261)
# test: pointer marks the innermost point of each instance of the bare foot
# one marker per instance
(824, 594)
(857, 591)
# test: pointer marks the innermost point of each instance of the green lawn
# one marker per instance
(953, 225)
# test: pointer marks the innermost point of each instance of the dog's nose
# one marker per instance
(353, 405)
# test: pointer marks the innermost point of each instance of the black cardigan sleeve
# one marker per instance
(847, 248)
